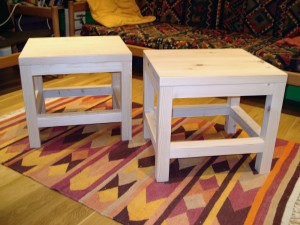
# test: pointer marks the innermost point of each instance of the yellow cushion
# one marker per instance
(113, 13)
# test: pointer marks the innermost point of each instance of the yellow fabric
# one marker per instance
(112, 13)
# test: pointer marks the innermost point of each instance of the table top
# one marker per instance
(85, 49)
(211, 66)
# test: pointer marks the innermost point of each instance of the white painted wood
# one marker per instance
(67, 55)
(116, 83)
(84, 68)
(77, 91)
(163, 138)
(150, 124)
(230, 90)
(78, 118)
(148, 96)
(38, 86)
(210, 73)
(269, 128)
(40, 103)
(126, 100)
(200, 110)
(245, 121)
(38, 83)
(230, 124)
(116, 98)
(187, 149)
(30, 107)
(151, 74)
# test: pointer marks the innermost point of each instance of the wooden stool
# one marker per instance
(210, 73)
(69, 55)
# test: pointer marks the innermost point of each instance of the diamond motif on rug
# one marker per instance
(92, 165)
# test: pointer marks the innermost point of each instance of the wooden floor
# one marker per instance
(24, 201)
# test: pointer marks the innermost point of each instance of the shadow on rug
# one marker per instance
(91, 165)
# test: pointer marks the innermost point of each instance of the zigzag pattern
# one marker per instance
(196, 11)
(91, 164)
(146, 7)
(172, 11)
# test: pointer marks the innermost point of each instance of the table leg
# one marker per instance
(269, 128)
(30, 106)
(116, 84)
(126, 101)
(38, 87)
(230, 124)
(148, 96)
(163, 134)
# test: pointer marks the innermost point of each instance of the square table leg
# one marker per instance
(269, 128)
(230, 124)
(116, 85)
(126, 100)
(148, 97)
(30, 106)
(40, 100)
(163, 134)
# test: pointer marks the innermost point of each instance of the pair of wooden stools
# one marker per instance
(171, 74)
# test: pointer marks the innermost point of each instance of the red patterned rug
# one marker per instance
(91, 165)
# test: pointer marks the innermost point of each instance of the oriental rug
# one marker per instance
(90, 164)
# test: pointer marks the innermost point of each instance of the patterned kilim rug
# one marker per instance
(91, 165)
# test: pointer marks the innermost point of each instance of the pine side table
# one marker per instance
(200, 73)
(75, 55)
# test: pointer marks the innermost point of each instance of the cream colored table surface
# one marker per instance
(74, 50)
(209, 66)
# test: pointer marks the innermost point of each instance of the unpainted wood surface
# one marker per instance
(211, 66)
(73, 50)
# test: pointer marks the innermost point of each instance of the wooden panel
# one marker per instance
(75, 7)
(211, 66)
(74, 50)
(186, 149)
(293, 78)
(9, 60)
(78, 91)
(150, 123)
(200, 110)
(43, 12)
(245, 121)
(75, 118)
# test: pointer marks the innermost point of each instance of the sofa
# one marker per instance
(269, 29)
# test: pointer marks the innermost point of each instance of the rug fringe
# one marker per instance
(292, 211)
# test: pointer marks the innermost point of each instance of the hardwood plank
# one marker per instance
(24, 201)
(97, 219)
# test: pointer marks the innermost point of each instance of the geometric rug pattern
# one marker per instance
(92, 165)
(265, 17)
(292, 21)
(233, 15)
